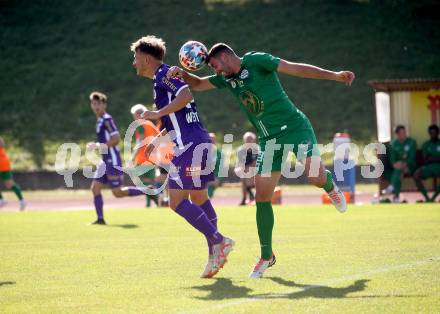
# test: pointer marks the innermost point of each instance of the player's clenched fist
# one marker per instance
(175, 71)
(346, 77)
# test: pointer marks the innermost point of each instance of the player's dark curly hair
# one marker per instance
(433, 127)
(98, 96)
(217, 49)
(152, 45)
(398, 128)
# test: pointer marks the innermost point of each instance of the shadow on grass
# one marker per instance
(324, 292)
(314, 291)
(126, 226)
(223, 288)
(4, 283)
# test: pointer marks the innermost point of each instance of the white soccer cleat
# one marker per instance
(389, 189)
(261, 267)
(210, 269)
(23, 205)
(338, 199)
(220, 253)
(3, 202)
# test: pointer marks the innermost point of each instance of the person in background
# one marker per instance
(6, 177)
(108, 171)
(144, 167)
(248, 158)
(431, 163)
(212, 186)
(403, 160)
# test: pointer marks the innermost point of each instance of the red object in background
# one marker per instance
(434, 107)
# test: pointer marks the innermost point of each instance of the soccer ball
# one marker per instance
(192, 55)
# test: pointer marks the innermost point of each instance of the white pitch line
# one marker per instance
(326, 283)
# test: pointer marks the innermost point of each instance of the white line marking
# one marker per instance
(333, 281)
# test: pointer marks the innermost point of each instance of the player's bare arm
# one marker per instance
(314, 72)
(153, 143)
(181, 100)
(195, 82)
(114, 140)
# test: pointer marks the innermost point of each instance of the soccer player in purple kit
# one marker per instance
(109, 170)
(187, 183)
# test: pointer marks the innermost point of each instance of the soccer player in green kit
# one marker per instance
(253, 80)
(431, 165)
(403, 160)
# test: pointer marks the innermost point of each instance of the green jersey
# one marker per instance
(261, 96)
(405, 151)
(431, 149)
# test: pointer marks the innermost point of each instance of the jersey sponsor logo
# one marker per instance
(244, 74)
(251, 101)
(406, 148)
(192, 117)
(233, 84)
(193, 171)
(169, 84)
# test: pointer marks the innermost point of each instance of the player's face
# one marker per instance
(137, 115)
(140, 63)
(433, 134)
(221, 66)
(401, 135)
(98, 107)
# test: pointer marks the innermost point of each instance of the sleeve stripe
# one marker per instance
(181, 88)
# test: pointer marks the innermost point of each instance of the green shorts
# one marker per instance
(430, 171)
(5, 175)
(145, 171)
(274, 152)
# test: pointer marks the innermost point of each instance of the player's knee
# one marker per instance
(263, 196)
(173, 204)
(9, 184)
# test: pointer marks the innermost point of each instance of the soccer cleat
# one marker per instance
(209, 268)
(3, 202)
(23, 205)
(338, 199)
(220, 254)
(388, 190)
(98, 222)
(261, 267)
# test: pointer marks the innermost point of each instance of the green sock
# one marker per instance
(328, 186)
(424, 193)
(396, 181)
(17, 191)
(1, 196)
(436, 193)
(265, 223)
(210, 191)
(148, 201)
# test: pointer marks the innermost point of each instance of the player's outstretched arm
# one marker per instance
(314, 72)
(195, 82)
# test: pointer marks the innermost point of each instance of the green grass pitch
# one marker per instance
(372, 259)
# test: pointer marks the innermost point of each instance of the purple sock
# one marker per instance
(198, 219)
(133, 191)
(212, 216)
(99, 204)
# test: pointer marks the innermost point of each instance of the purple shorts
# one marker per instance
(189, 169)
(106, 173)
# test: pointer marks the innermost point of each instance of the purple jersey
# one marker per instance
(105, 128)
(185, 122)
